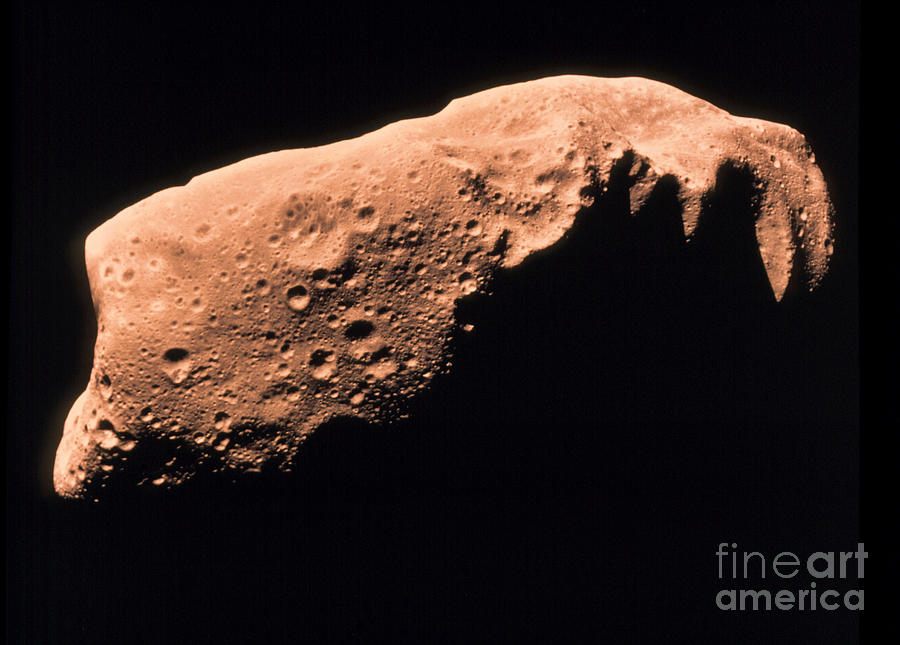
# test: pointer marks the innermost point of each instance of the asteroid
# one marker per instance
(240, 312)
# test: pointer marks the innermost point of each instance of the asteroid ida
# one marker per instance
(240, 312)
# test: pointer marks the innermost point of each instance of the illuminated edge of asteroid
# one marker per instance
(240, 312)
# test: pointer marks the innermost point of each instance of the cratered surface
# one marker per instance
(242, 311)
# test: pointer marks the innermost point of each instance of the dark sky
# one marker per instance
(113, 102)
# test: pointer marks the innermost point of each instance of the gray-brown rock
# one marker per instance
(238, 313)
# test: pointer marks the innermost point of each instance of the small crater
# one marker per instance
(467, 283)
(297, 297)
(175, 355)
(381, 353)
(320, 357)
(323, 363)
(105, 385)
(222, 421)
(358, 329)
(475, 186)
(108, 440)
(324, 372)
(379, 371)
(106, 431)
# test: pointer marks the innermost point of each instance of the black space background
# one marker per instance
(607, 425)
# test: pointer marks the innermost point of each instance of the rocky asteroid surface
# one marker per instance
(242, 311)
